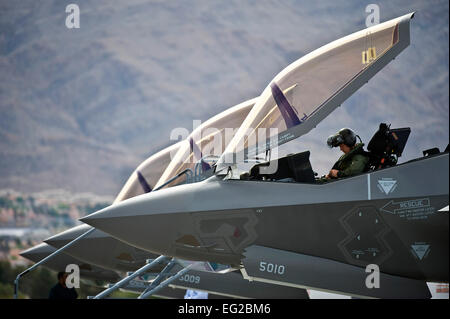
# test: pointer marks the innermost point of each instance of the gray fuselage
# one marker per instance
(389, 217)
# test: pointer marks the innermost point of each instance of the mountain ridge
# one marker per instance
(80, 109)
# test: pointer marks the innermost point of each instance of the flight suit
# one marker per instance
(352, 163)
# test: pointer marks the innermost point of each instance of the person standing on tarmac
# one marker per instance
(354, 161)
(60, 290)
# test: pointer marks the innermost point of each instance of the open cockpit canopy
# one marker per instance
(205, 144)
(309, 89)
(145, 176)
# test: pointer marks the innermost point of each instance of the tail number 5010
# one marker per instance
(271, 268)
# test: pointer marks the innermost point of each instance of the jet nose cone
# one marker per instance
(37, 252)
(150, 221)
(112, 219)
(177, 222)
(67, 236)
(95, 219)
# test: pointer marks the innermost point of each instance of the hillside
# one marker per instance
(81, 108)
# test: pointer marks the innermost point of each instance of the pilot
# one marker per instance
(355, 159)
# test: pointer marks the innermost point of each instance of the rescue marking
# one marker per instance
(410, 209)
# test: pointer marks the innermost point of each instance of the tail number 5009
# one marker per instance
(190, 278)
(271, 268)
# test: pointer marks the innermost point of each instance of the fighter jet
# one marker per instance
(144, 179)
(149, 175)
(59, 263)
(388, 216)
(103, 250)
(91, 272)
(230, 284)
(117, 256)
(100, 249)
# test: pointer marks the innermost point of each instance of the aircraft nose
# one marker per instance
(37, 252)
(150, 221)
(184, 221)
(67, 236)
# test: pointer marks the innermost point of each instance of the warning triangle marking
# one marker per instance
(387, 185)
(420, 250)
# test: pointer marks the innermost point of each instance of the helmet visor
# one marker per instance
(334, 140)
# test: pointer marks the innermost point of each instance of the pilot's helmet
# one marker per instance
(344, 136)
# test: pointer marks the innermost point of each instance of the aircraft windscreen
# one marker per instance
(309, 89)
(206, 143)
(144, 178)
